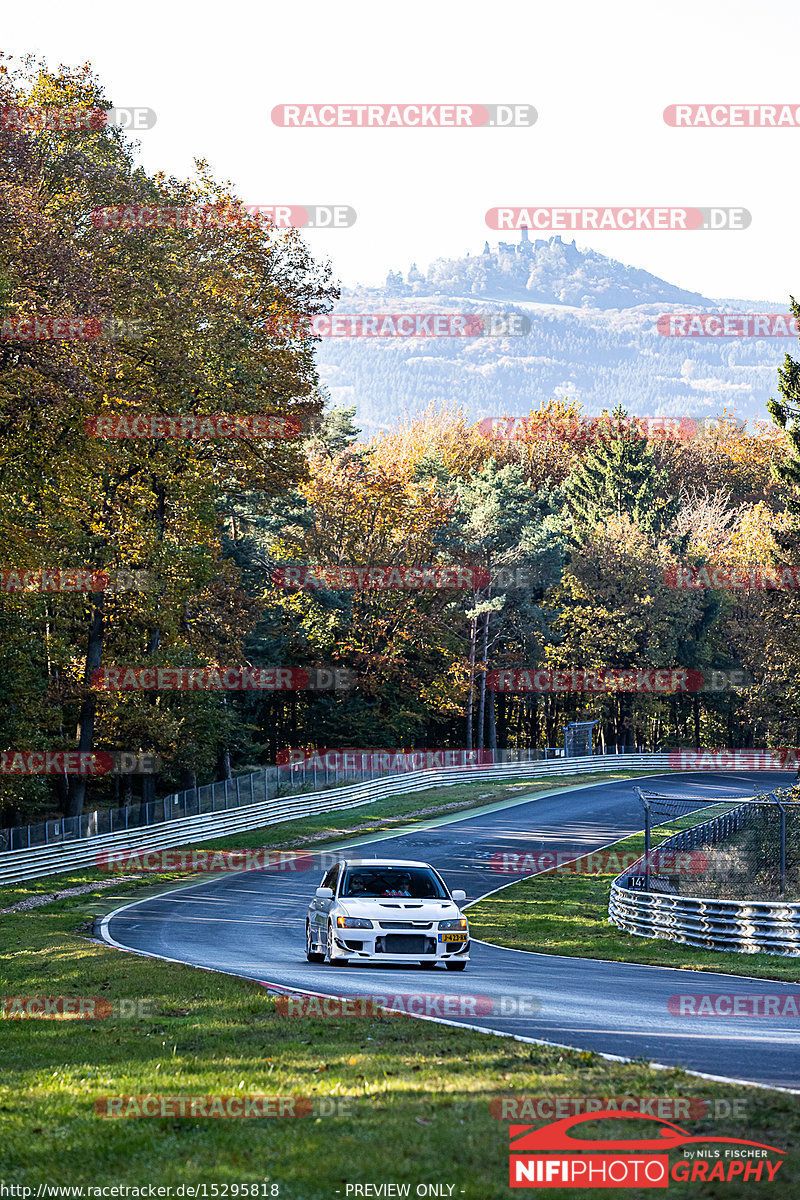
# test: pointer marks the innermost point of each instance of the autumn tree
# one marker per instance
(201, 302)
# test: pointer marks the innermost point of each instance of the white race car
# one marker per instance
(386, 910)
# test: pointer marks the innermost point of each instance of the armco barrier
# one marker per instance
(746, 926)
(749, 926)
(266, 784)
(55, 859)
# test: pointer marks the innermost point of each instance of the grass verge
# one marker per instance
(420, 1109)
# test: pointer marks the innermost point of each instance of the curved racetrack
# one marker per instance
(252, 924)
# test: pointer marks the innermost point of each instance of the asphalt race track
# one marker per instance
(252, 924)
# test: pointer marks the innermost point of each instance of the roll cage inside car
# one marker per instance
(373, 883)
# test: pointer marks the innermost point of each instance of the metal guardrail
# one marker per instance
(745, 926)
(748, 926)
(268, 783)
(58, 858)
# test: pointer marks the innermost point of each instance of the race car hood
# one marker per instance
(400, 908)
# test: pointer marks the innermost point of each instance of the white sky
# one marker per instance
(599, 75)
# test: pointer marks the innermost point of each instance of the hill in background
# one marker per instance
(593, 338)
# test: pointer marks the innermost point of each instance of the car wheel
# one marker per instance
(334, 962)
(311, 954)
(456, 966)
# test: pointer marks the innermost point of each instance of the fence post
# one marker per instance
(783, 849)
(252, 793)
(646, 845)
(226, 793)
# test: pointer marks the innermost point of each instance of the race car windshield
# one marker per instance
(414, 883)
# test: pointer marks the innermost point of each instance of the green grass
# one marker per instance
(568, 914)
(421, 1093)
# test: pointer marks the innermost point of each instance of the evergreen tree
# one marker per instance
(786, 414)
(621, 475)
(499, 524)
(334, 431)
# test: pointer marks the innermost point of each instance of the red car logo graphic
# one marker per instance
(524, 1138)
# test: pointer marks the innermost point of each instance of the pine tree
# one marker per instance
(334, 431)
(621, 476)
(786, 414)
(499, 524)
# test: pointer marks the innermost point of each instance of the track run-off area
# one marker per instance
(251, 924)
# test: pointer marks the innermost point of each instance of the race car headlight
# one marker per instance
(354, 923)
(461, 923)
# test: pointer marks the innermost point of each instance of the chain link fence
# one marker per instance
(745, 850)
(266, 784)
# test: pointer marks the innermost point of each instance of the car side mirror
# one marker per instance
(324, 893)
(458, 896)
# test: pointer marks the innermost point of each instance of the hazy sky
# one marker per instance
(599, 75)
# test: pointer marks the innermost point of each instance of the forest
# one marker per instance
(190, 593)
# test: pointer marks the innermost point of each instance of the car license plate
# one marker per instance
(452, 937)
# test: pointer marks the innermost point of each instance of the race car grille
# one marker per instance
(401, 943)
(404, 924)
